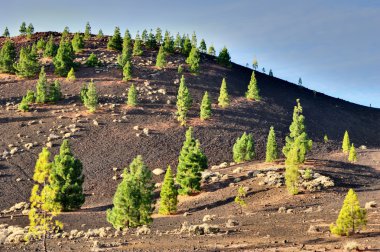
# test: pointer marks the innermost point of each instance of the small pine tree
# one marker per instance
(205, 107)
(243, 149)
(132, 96)
(351, 217)
(270, 73)
(55, 92)
(50, 48)
(253, 89)
(91, 97)
(126, 54)
(223, 100)
(352, 155)
(92, 60)
(224, 57)
(87, 31)
(30, 30)
(184, 101)
(64, 60)
(137, 47)
(144, 36)
(160, 60)
(239, 199)
(191, 163)
(115, 42)
(28, 99)
(211, 51)
(42, 95)
(132, 203)
(71, 75)
(83, 93)
(177, 42)
(41, 44)
(100, 34)
(194, 41)
(168, 43)
(300, 82)
(158, 36)
(180, 69)
(67, 179)
(22, 29)
(255, 64)
(27, 65)
(127, 71)
(43, 208)
(202, 46)
(23, 105)
(7, 57)
(186, 46)
(65, 33)
(168, 195)
(6, 33)
(77, 42)
(151, 42)
(346, 145)
(271, 150)
(326, 139)
(193, 60)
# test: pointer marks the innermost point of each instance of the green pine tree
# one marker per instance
(253, 89)
(224, 57)
(137, 46)
(239, 199)
(42, 94)
(326, 139)
(168, 195)
(211, 51)
(193, 60)
(30, 30)
(92, 60)
(27, 65)
(158, 36)
(351, 217)
(270, 73)
(28, 99)
(100, 34)
(6, 33)
(184, 101)
(346, 145)
(202, 46)
(186, 46)
(71, 75)
(41, 43)
(127, 71)
(50, 48)
(223, 100)
(243, 149)
(77, 43)
(168, 43)
(194, 42)
(132, 203)
(271, 150)
(126, 54)
(132, 96)
(55, 92)
(67, 179)
(87, 31)
(297, 128)
(205, 107)
(178, 42)
(115, 42)
(352, 155)
(144, 36)
(160, 60)
(151, 42)
(7, 57)
(22, 29)
(64, 60)
(91, 98)
(192, 161)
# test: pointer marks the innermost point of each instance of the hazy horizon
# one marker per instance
(332, 46)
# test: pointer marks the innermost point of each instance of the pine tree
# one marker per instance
(158, 36)
(6, 33)
(326, 139)
(346, 145)
(168, 43)
(255, 64)
(271, 150)
(180, 69)
(191, 163)
(91, 97)
(65, 34)
(92, 60)
(144, 36)
(202, 46)
(22, 29)
(87, 31)
(239, 199)
(132, 203)
(50, 48)
(26, 101)
(253, 89)
(115, 42)
(243, 149)
(43, 208)
(126, 54)
(193, 60)
(223, 100)
(27, 65)
(300, 82)
(100, 34)
(7, 57)
(194, 42)
(151, 43)
(137, 47)
(205, 107)
(77, 42)
(55, 92)
(270, 73)
(211, 51)
(42, 95)
(160, 60)
(186, 46)
(64, 60)
(23, 105)
(83, 93)
(168, 195)
(30, 30)
(224, 58)
(352, 156)
(127, 71)
(67, 179)
(71, 75)
(292, 169)
(178, 42)
(351, 217)
(41, 44)
(297, 128)
(184, 101)
(132, 96)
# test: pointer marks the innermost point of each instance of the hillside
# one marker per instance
(108, 138)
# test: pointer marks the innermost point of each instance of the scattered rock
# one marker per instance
(136, 127)
(158, 171)
(313, 230)
(232, 223)
(208, 218)
(282, 210)
(49, 144)
(144, 230)
(371, 204)
(201, 229)
(95, 122)
(237, 170)
(53, 137)
(146, 131)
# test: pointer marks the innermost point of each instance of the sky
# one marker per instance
(334, 46)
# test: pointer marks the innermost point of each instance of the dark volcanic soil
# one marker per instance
(113, 143)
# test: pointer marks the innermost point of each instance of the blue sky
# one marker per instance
(334, 46)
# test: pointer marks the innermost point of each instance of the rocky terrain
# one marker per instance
(106, 142)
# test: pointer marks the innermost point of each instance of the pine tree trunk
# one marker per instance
(44, 242)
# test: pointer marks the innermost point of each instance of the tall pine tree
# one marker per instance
(223, 100)
(64, 60)
(271, 150)
(115, 42)
(346, 145)
(193, 60)
(205, 107)
(184, 101)
(7, 57)
(160, 60)
(168, 194)
(42, 93)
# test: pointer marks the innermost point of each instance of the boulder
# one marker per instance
(158, 171)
